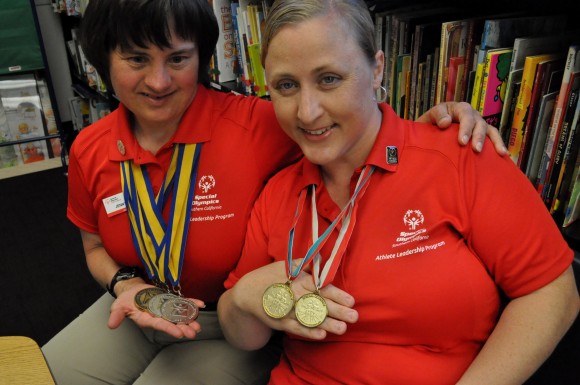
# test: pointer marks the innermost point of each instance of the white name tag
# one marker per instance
(115, 204)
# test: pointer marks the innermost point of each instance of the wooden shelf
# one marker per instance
(48, 164)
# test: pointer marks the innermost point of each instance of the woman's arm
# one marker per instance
(102, 267)
(528, 331)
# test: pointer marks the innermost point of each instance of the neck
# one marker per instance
(337, 182)
(152, 138)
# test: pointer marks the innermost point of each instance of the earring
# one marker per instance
(382, 94)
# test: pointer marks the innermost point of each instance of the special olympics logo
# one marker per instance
(206, 183)
(413, 218)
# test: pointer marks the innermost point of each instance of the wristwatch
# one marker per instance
(123, 274)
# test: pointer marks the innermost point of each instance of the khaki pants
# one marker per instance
(87, 352)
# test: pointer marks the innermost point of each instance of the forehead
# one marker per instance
(312, 40)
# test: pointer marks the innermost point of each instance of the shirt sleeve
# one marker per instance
(512, 231)
(80, 209)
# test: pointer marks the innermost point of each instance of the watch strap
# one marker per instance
(124, 273)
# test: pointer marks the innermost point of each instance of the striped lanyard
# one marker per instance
(161, 244)
(348, 218)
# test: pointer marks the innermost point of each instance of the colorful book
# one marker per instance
(553, 183)
(455, 78)
(477, 83)
(493, 87)
(544, 70)
(572, 65)
(225, 51)
(545, 111)
(452, 44)
(522, 47)
(509, 104)
(523, 103)
(562, 193)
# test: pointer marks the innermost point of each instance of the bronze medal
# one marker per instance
(143, 296)
(311, 310)
(278, 300)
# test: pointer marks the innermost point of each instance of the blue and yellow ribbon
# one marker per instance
(160, 244)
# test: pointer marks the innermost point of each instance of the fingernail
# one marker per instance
(479, 146)
(464, 139)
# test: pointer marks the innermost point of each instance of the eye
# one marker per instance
(136, 60)
(285, 86)
(329, 80)
(178, 59)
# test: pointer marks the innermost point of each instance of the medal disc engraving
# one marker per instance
(155, 303)
(278, 300)
(143, 296)
(179, 310)
(311, 310)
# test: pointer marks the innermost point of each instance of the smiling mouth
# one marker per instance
(156, 97)
(318, 132)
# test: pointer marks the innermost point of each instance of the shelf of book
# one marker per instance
(30, 128)
(533, 108)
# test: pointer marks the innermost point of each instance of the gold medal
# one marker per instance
(311, 310)
(278, 300)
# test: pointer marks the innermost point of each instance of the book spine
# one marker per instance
(552, 186)
(225, 53)
(475, 97)
(544, 171)
(570, 159)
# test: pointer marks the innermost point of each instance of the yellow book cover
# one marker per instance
(477, 86)
(259, 76)
(522, 104)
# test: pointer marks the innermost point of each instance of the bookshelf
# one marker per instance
(31, 136)
(468, 38)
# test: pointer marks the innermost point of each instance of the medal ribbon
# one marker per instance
(159, 244)
(345, 232)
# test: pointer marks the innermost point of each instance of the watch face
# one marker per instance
(126, 273)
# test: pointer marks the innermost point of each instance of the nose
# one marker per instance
(158, 78)
(309, 107)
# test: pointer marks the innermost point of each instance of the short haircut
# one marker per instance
(111, 24)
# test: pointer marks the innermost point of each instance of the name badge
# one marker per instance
(115, 204)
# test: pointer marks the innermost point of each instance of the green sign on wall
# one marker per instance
(19, 44)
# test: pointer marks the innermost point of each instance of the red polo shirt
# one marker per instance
(436, 235)
(242, 146)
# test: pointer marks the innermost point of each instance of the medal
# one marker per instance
(278, 300)
(143, 296)
(179, 310)
(311, 310)
(155, 303)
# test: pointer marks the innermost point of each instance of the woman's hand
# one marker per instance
(124, 307)
(340, 311)
(247, 326)
(471, 124)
